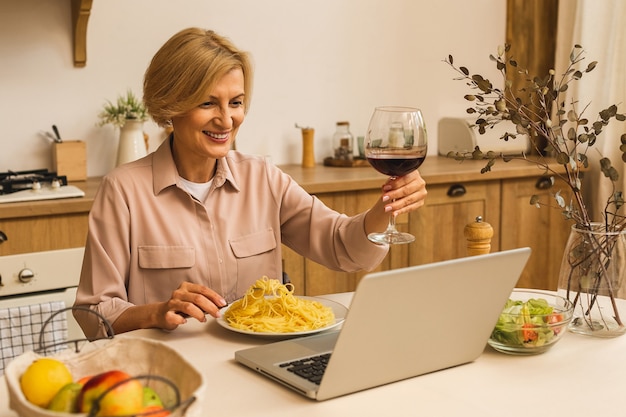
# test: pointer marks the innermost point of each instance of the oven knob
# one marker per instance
(26, 275)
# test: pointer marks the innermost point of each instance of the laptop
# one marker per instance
(401, 323)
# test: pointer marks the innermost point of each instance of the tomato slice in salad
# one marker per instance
(529, 334)
(553, 319)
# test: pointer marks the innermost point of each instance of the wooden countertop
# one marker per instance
(52, 207)
(435, 170)
(320, 179)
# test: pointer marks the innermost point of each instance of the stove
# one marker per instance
(13, 181)
(41, 277)
(39, 184)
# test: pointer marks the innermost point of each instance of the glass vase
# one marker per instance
(592, 277)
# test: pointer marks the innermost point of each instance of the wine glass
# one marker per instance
(395, 144)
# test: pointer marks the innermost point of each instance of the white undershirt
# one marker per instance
(199, 191)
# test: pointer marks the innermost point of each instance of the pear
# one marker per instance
(150, 398)
(65, 398)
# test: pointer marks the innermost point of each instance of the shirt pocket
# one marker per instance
(166, 257)
(256, 255)
(253, 244)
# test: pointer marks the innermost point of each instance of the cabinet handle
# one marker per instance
(456, 190)
(543, 183)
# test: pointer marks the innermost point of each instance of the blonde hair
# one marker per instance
(188, 66)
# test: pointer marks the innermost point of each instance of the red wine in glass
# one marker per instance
(395, 165)
(395, 145)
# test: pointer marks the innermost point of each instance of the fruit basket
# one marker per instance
(176, 381)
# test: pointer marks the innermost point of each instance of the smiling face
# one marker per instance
(206, 132)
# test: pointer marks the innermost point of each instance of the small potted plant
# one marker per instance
(593, 268)
(129, 114)
(127, 107)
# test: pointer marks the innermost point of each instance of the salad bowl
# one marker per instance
(531, 322)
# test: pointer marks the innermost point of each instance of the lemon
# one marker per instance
(43, 379)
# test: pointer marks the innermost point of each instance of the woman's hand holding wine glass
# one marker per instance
(395, 144)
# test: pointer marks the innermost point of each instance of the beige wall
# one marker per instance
(316, 62)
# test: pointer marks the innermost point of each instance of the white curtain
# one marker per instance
(600, 28)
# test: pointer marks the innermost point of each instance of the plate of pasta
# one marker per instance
(270, 309)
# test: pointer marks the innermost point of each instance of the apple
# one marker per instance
(125, 399)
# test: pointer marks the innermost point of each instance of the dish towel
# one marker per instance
(20, 328)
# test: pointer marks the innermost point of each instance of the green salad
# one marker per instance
(527, 323)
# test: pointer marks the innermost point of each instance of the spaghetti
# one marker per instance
(269, 306)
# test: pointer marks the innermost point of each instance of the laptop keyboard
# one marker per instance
(311, 368)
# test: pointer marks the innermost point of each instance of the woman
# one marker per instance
(187, 229)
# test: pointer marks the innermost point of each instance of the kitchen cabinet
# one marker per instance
(439, 225)
(36, 226)
(544, 229)
(457, 194)
(320, 280)
(438, 228)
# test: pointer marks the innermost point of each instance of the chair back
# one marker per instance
(21, 329)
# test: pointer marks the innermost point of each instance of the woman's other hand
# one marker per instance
(193, 300)
(188, 300)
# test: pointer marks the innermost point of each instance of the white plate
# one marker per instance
(338, 309)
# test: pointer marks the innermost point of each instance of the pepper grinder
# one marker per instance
(308, 153)
(478, 235)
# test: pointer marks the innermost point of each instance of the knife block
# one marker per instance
(70, 159)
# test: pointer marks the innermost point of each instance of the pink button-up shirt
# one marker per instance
(147, 234)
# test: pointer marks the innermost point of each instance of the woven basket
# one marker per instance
(135, 356)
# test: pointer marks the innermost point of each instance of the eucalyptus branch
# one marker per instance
(539, 110)
(567, 132)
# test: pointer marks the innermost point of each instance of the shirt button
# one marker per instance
(221, 260)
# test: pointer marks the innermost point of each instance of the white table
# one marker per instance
(580, 376)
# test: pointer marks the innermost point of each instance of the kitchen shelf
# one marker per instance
(81, 10)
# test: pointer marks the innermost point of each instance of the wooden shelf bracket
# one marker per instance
(81, 9)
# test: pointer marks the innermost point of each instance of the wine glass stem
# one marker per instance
(391, 226)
